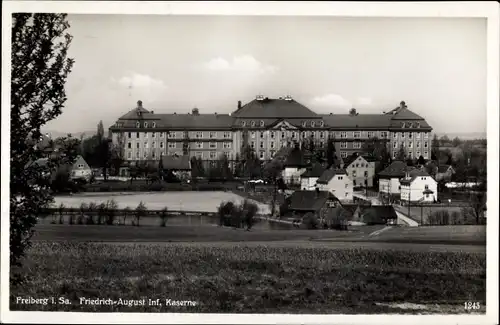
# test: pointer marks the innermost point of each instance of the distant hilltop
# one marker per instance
(463, 135)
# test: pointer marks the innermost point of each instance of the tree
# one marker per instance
(272, 172)
(421, 160)
(401, 155)
(251, 163)
(39, 70)
(456, 142)
(103, 150)
(331, 155)
(117, 154)
(449, 160)
(377, 148)
(435, 148)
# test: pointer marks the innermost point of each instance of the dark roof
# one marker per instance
(377, 214)
(274, 108)
(309, 200)
(403, 113)
(176, 162)
(316, 170)
(362, 121)
(138, 112)
(443, 168)
(350, 159)
(295, 158)
(184, 121)
(412, 175)
(350, 209)
(329, 174)
(396, 169)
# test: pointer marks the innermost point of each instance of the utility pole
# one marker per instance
(409, 200)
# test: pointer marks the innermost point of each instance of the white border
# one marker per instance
(487, 9)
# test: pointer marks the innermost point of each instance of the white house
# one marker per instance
(309, 178)
(294, 166)
(360, 170)
(388, 183)
(418, 186)
(336, 182)
(80, 169)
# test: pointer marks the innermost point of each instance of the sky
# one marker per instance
(330, 64)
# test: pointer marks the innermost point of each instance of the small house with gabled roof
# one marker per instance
(389, 177)
(418, 186)
(337, 182)
(309, 178)
(360, 169)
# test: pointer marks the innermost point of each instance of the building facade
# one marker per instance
(266, 125)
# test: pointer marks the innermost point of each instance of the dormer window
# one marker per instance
(321, 123)
(153, 124)
(252, 123)
(410, 125)
(261, 123)
(403, 125)
(418, 124)
(145, 124)
(304, 123)
(137, 124)
(312, 124)
(243, 123)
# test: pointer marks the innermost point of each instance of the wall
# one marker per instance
(415, 190)
(355, 168)
(391, 186)
(308, 183)
(290, 174)
(340, 186)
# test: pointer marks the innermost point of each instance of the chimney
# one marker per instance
(352, 112)
(139, 103)
(402, 104)
(195, 111)
(239, 104)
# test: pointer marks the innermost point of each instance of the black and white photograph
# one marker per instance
(247, 162)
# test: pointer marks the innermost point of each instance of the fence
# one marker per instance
(440, 215)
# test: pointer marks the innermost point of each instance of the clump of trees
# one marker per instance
(237, 215)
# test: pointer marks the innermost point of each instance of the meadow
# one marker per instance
(189, 200)
(249, 279)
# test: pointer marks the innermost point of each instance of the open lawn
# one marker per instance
(248, 278)
(187, 200)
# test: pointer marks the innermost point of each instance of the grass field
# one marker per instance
(187, 201)
(251, 279)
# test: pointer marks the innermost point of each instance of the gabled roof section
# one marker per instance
(274, 108)
(403, 113)
(137, 113)
(316, 170)
(176, 163)
(329, 174)
(80, 161)
(295, 158)
(361, 121)
(309, 200)
(396, 169)
(413, 174)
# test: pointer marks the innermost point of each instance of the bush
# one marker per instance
(111, 207)
(126, 212)
(164, 216)
(225, 212)
(61, 213)
(310, 221)
(101, 213)
(140, 212)
(91, 209)
(81, 218)
(249, 210)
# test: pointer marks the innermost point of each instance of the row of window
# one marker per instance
(202, 155)
(355, 145)
(410, 154)
(410, 144)
(304, 123)
(173, 145)
(410, 125)
(354, 173)
(178, 135)
(409, 135)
